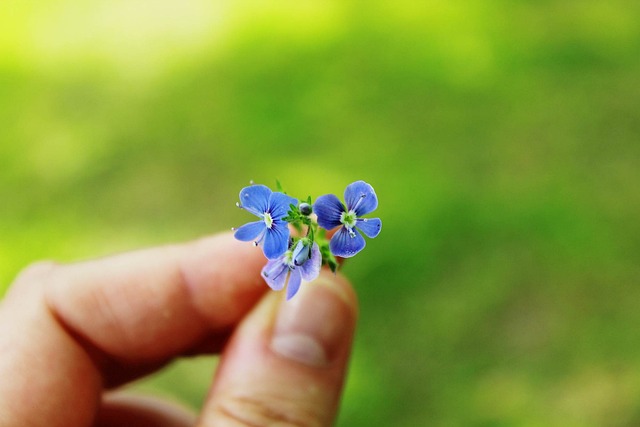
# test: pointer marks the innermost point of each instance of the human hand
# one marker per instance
(70, 334)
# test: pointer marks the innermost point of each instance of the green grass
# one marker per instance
(502, 139)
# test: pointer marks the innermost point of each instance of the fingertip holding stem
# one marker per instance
(314, 326)
(286, 363)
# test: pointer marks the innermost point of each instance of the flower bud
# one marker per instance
(305, 209)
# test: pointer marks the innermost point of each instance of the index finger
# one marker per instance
(66, 332)
(142, 308)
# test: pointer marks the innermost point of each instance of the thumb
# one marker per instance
(286, 362)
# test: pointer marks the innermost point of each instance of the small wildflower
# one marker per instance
(271, 232)
(302, 261)
(360, 199)
(293, 259)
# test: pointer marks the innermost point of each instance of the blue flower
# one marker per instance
(301, 262)
(272, 232)
(360, 200)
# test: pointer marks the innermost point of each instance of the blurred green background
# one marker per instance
(502, 138)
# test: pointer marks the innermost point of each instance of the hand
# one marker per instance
(71, 334)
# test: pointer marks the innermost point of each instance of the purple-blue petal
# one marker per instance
(276, 240)
(279, 204)
(294, 283)
(275, 274)
(328, 208)
(250, 231)
(255, 199)
(361, 198)
(370, 227)
(311, 269)
(301, 253)
(344, 245)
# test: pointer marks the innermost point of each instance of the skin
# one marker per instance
(71, 335)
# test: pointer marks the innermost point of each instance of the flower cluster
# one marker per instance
(292, 257)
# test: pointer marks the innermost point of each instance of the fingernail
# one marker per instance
(312, 327)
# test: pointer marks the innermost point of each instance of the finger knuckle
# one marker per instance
(260, 411)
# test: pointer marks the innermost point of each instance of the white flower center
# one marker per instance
(349, 221)
(268, 221)
(288, 260)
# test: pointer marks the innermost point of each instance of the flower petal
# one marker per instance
(311, 269)
(328, 208)
(301, 253)
(344, 245)
(361, 198)
(369, 226)
(250, 231)
(276, 240)
(279, 204)
(294, 283)
(275, 274)
(255, 199)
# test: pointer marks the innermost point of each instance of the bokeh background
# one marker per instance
(502, 138)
